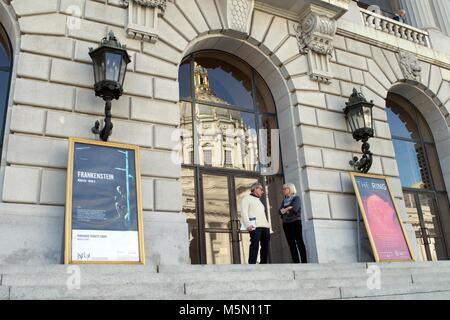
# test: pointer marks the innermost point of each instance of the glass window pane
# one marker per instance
(190, 212)
(187, 139)
(432, 227)
(424, 128)
(413, 215)
(264, 100)
(269, 145)
(402, 123)
(218, 248)
(5, 49)
(184, 79)
(4, 93)
(113, 63)
(219, 129)
(216, 202)
(435, 167)
(429, 213)
(411, 163)
(222, 79)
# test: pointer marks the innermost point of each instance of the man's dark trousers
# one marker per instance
(256, 236)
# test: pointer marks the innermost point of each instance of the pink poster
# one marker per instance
(382, 221)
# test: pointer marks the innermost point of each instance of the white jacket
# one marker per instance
(252, 207)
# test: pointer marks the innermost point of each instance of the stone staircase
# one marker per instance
(417, 280)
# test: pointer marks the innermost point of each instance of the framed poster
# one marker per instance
(104, 222)
(381, 217)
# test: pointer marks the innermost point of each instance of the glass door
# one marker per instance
(217, 224)
(423, 215)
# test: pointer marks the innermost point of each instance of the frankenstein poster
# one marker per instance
(381, 218)
(103, 215)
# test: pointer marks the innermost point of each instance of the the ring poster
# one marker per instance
(381, 218)
(103, 209)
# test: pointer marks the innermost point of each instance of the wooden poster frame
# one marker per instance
(366, 223)
(68, 259)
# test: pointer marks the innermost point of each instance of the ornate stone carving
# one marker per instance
(410, 65)
(237, 14)
(143, 18)
(161, 4)
(315, 33)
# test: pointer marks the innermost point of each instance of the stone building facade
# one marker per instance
(310, 53)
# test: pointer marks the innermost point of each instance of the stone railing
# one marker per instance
(390, 26)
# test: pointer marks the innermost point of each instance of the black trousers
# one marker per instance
(293, 232)
(259, 235)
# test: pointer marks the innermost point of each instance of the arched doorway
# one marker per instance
(421, 176)
(223, 105)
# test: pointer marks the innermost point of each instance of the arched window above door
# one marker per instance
(224, 103)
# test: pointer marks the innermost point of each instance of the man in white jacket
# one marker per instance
(253, 215)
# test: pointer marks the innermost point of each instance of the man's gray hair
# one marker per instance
(255, 186)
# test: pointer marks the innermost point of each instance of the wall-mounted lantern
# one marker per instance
(358, 112)
(110, 61)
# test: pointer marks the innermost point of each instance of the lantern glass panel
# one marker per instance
(368, 117)
(113, 65)
(358, 118)
(99, 67)
(123, 71)
(352, 120)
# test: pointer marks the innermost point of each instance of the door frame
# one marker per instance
(234, 224)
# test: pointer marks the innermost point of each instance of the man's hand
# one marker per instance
(283, 210)
(250, 228)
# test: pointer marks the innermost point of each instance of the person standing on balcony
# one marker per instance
(400, 16)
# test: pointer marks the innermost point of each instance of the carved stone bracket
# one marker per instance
(143, 18)
(410, 65)
(237, 14)
(315, 33)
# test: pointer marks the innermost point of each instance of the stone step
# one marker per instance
(137, 278)
(214, 287)
(94, 276)
(306, 294)
(258, 267)
(338, 274)
(390, 290)
(439, 295)
(151, 291)
(271, 289)
(117, 269)
(64, 269)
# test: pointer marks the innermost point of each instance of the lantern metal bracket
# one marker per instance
(357, 101)
(105, 132)
(363, 165)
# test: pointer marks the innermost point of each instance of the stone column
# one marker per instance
(419, 13)
(441, 10)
